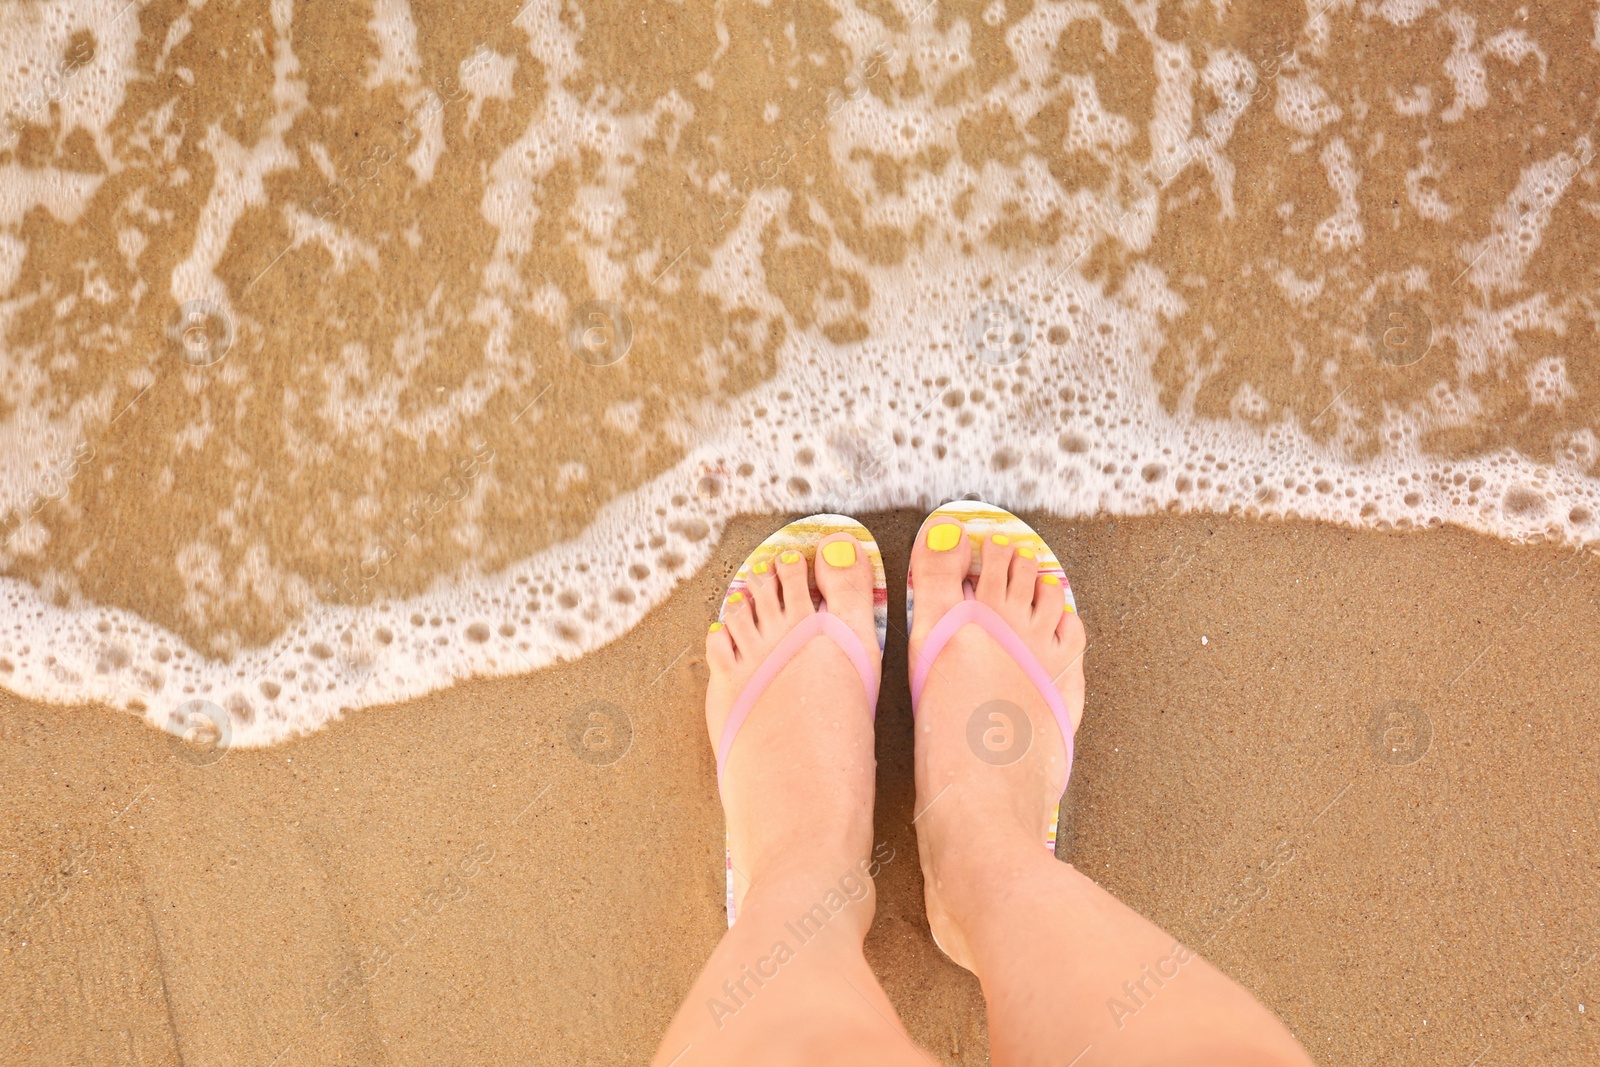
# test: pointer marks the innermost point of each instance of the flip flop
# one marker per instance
(983, 521)
(803, 535)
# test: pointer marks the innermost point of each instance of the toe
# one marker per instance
(1069, 631)
(741, 622)
(996, 553)
(764, 592)
(794, 582)
(1049, 602)
(941, 558)
(844, 576)
(1019, 589)
(719, 648)
(1073, 643)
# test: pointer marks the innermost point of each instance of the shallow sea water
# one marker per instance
(353, 349)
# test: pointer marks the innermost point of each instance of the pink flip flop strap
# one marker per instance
(976, 613)
(822, 623)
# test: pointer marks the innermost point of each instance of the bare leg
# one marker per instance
(1067, 970)
(788, 983)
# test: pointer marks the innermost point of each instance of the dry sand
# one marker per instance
(447, 882)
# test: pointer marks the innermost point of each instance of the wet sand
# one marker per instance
(334, 315)
(447, 881)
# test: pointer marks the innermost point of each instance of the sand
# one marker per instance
(1354, 768)
(446, 881)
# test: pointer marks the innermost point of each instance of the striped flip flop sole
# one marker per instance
(982, 521)
(804, 535)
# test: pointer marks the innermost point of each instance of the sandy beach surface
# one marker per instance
(1357, 770)
(351, 351)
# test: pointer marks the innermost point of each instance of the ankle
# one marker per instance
(974, 870)
(807, 895)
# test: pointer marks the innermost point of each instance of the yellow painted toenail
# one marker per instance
(760, 568)
(944, 537)
(1025, 553)
(790, 557)
(734, 598)
(1001, 539)
(1049, 579)
(840, 553)
(715, 627)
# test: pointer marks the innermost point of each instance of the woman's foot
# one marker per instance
(798, 783)
(788, 983)
(990, 758)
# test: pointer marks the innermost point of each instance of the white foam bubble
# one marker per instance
(40, 72)
(1304, 106)
(396, 36)
(1422, 191)
(1343, 230)
(1405, 12)
(1498, 261)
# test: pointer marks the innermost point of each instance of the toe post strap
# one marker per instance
(822, 623)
